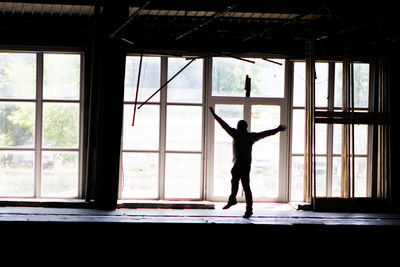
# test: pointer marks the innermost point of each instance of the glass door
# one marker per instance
(265, 176)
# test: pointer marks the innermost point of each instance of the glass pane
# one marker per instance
(361, 85)
(338, 85)
(321, 84)
(223, 148)
(360, 139)
(61, 76)
(187, 87)
(320, 138)
(298, 131)
(297, 179)
(360, 172)
(17, 124)
(264, 174)
(229, 75)
(144, 135)
(184, 128)
(60, 176)
(149, 78)
(299, 84)
(337, 139)
(336, 176)
(140, 175)
(17, 75)
(320, 170)
(182, 175)
(61, 125)
(16, 173)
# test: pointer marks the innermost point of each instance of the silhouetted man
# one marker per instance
(242, 146)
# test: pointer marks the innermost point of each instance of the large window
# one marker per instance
(40, 125)
(162, 152)
(329, 146)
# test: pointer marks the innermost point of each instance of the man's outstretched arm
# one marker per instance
(266, 133)
(223, 124)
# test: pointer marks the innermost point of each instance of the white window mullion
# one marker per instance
(38, 121)
(163, 118)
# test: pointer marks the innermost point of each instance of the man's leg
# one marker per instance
(234, 188)
(248, 195)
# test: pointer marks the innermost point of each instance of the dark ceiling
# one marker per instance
(275, 27)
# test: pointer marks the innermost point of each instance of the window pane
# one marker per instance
(320, 170)
(149, 78)
(140, 175)
(265, 159)
(337, 139)
(17, 124)
(182, 175)
(336, 176)
(361, 85)
(360, 172)
(267, 79)
(297, 179)
(184, 128)
(60, 125)
(321, 85)
(299, 84)
(16, 173)
(360, 139)
(60, 176)
(144, 135)
(61, 77)
(298, 131)
(320, 138)
(187, 87)
(223, 148)
(338, 85)
(17, 75)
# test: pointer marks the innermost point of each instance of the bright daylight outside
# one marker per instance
(39, 124)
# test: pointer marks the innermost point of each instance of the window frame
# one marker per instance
(38, 147)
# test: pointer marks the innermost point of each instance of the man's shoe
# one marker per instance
(247, 214)
(230, 204)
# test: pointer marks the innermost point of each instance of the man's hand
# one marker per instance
(281, 128)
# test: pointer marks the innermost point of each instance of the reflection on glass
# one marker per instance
(321, 85)
(17, 75)
(320, 171)
(297, 179)
(361, 85)
(264, 175)
(320, 138)
(60, 125)
(299, 84)
(16, 173)
(223, 148)
(298, 131)
(17, 124)
(336, 176)
(184, 128)
(338, 85)
(360, 172)
(182, 175)
(267, 79)
(60, 175)
(149, 78)
(187, 87)
(360, 139)
(144, 135)
(140, 175)
(337, 139)
(61, 76)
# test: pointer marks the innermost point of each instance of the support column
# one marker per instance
(107, 107)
